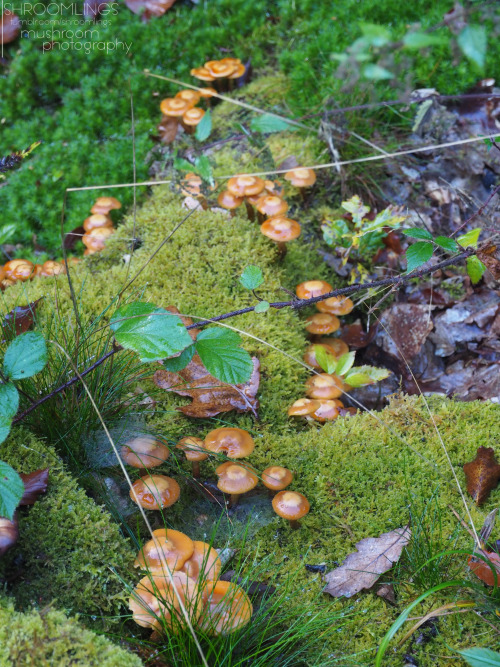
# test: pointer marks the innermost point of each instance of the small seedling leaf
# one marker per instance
(204, 127)
(417, 254)
(446, 243)
(262, 307)
(363, 375)
(475, 269)
(204, 169)
(472, 41)
(252, 277)
(376, 72)
(326, 360)
(222, 356)
(470, 239)
(345, 363)
(268, 123)
(421, 40)
(25, 356)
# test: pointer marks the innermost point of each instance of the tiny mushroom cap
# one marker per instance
(174, 107)
(312, 288)
(229, 201)
(271, 205)
(310, 354)
(226, 608)
(207, 92)
(220, 70)
(204, 563)
(19, 269)
(95, 240)
(235, 442)
(280, 229)
(192, 116)
(191, 184)
(322, 323)
(276, 478)
(335, 305)
(193, 448)
(51, 268)
(145, 451)
(230, 61)
(245, 186)
(97, 221)
(290, 505)
(337, 344)
(239, 71)
(202, 73)
(105, 205)
(327, 411)
(301, 177)
(167, 549)
(191, 96)
(235, 479)
(302, 407)
(324, 386)
(154, 492)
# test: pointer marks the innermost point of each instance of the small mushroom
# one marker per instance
(234, 442)
(154, 492)
(292, 506)
(97, 221)
(50, 268)
(335, 305)
(301, 178)
(303, 407)
(281, 231)
(144, 451)
(174, 107)
(167, 549)
(235, 480)
(95, 240)
(19, 269)
(103, 205)
(310, 354)
(337, 344)
(195, 452)
(221, 69)
(226, 608)
(228, 201)
(202, 74)
(276, 478)
(207, 94)
(190, 96)
(324, 386)
(191, 186)
(312, 288)
(191, 118)
(246, 186)
(204, 564)
(269, 206)
(322, 323)
(327, 411)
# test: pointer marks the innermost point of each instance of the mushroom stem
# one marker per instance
(233, 500)
(281, 250)
(294, 524)
(260, 217)
(250, 211)
(196, 468)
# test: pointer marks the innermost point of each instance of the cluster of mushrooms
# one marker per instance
(222, 73)
(322, 389)
(20, 270)
(216, 607)
(182, 108)
(156, 492)
(99, 226)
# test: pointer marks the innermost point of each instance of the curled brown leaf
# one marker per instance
(482, 474)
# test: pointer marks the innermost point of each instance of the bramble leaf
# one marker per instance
(417, 254)
(252, 277)
(25, 356)
(222, 356)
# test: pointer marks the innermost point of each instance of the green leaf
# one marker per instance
(9, 400)
(473, 40)
(356, 208)
(175, 364)
(450, 245)
(375, 35)
(268, 123)
(475, 269)
(6, 232)
(222, 357)
(418, 233)
(25, 356)
(345, 363)
(417, 254)
(183, 165)
(252, 277)
(470, 239)
(204, 169)
(152, 332)
(421, 40)
(262, 307)
(204, 127)
(326, 360)
(481, 657)
(11, 490)
(376, 72)
(5, 425)
(363, 375)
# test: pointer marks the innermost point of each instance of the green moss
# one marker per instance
(67, 544)
(48, 637)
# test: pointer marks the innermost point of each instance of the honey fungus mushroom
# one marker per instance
(276, 478)
(269, 206)
(19, 269)
(166, 549)
(204, 564)
(194, 451)
(303, 407)
(234, 442)
(154, 492)
(281, 231)
(97, 221)
(291, 505)
(228, 201)
(95, 240)
(202, 74)
(245, 186)
(191, 118)
(324, 386)
(103, 205)
(328, 410)
(301, 177)
(226, 608)
(312, 288)
(235, 480)
(335, 305)
(322, 323)
(190, 96)
(50, 268)
(310, 353)
(144, 451)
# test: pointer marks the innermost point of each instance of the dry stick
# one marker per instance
(134, 168)
(65, 258)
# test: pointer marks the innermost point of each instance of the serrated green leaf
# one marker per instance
(183, 165)
(356, 208)
(470, 239)
(204, 169)
(252, 277)
(363, 375)
(222, 357)
(9, 400)
(376, 72)
(345, 363)
(417, 254)
(262, 307)
(473, 41)
(475, 269)
(176, 364)
(25, 356)
(481, 657)
(326, 360)
(450, 245)
(417, 233)
(204, 127)
(421, 40)
(11, 490)
(152, 332)
(267, 124)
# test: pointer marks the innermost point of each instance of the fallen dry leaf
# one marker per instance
(482, 474)
(490, 258)
(10, 27)
(19, 320)
(386, 592)
(361, 569)
(35, 483)
(167, 129)
(356, 337)
(72, 237)
(482, 570)
(148, 8)
(408, 326)
(9, 532)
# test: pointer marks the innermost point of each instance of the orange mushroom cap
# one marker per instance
(271, 205)
(174, 107)
(145, 451)
(245, 186)
(190, 96)
(301, 177)
(154, 492)
(226, 608)
(310, 354)
(19, 269)
(220, 70)
(95, 240)
(327, 411)
(193, 448)
(104, 205)
(204, 563)
(322, 323)
(277, 478)
(229, 201)
(290, 505)
(235, 442)
(337, 344)
(230, 61)
(302, 407)
(167, 549)
(202, 73)
(51, 268)
(192, 116)
(207, 92)
(324, 386)
(280, 229)
(273, 188)
(239, 71)
(312, 288)
(335, 305)
(235, 479)
(97, 221)
(191, 184)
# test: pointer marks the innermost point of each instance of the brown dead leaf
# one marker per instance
(210, 396)
(10, 27)
(9, 532)
(490, 257)
(148, 8)
(167, 129)
(408, 326)
(19, 320)
(361, 569)
(356, 337)
(72, 238)
(482, 570)
(35, 483)
(482, 474)
(386, 592)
